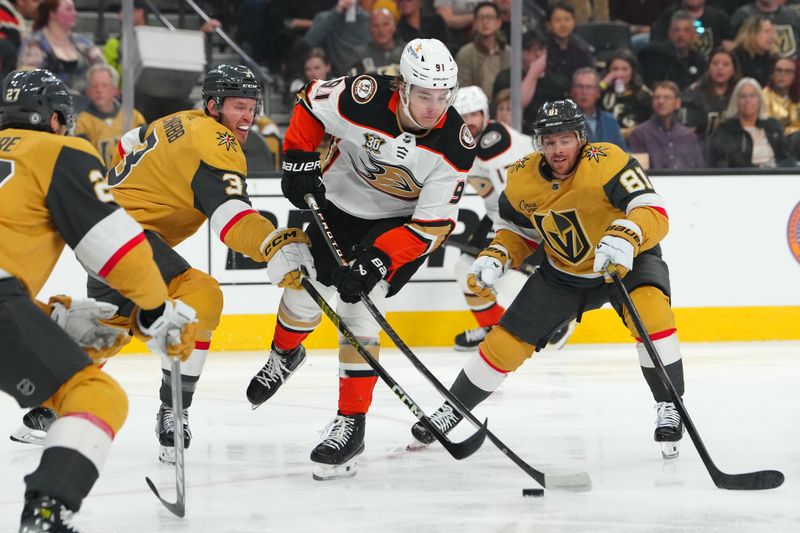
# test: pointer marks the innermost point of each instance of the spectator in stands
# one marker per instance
(782, 98)
(589, 10)
(316, 66)
(459, 16)
(502, 107)
(669, 144)
(602, 125)
(533, 16)
(755, 47)
(381, 54)
(746, 137)
(339, 37)
(786, 23)
(622, 92)
(675, 59)
(707, 98)
(418, 24)
(640, 15)
(480, 61)
(102, 121)
(566, 52)
(536, 88)
(55, 47)
(728, 6)
(712, 25)
(15, 17)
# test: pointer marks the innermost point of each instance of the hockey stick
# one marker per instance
(179, 507)
(459, 450)
(764, 479)
(579, 482)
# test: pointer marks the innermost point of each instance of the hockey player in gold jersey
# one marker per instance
(52, 192)
(172, 176)
(592, 205)
(101, 123)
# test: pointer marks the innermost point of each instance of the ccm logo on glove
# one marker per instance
(283, 236)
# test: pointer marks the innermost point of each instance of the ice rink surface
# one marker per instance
(585, 408)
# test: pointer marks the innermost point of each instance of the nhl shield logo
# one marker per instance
(564, 234)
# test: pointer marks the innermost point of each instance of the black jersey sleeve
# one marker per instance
(628, 184)
(509, 214)
(494, 140)
(78, 196)
(213, 187)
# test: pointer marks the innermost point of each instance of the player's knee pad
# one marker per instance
(298, 310)
(654, 309)
(202, 292)
(92, 391)
(503, 351)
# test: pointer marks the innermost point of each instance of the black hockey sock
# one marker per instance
(466, 391)
(675, 373)
(189, 384)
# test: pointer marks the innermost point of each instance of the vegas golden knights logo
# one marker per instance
(784, 39)
(394, 180)
(564, 234)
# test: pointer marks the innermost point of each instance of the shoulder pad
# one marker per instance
(216, 145)
(494, 140)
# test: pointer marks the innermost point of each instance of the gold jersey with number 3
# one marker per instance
(181, 170)
(572, 215)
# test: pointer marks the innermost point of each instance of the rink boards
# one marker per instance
(733, 252)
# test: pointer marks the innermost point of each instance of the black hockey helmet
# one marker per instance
(30, 97)
(231, 80)
(559, 116)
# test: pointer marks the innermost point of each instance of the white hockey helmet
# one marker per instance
(471, 99)
(427, 63)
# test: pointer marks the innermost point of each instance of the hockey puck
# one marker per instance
(533, 492)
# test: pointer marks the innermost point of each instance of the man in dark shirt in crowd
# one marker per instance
(417, 24)
(712, 24)
(382, 54)
(669, 143)
(675, 59)
(566, 52)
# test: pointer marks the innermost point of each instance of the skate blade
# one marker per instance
(26, 435)
(458, 348)
(670, 450)
(166, 454)
(323, 472)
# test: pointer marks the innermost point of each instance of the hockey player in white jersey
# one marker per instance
(498, 147)
(389, 189)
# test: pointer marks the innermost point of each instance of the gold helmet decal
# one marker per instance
(564, 234)
(394, 180)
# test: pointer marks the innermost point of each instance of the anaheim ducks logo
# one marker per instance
(564, 234)
(483, 186)
(466, 138)
(363, 89)
(227, 140)
(394, 180)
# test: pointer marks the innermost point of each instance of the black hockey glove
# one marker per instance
(301, 176)
(366, 271)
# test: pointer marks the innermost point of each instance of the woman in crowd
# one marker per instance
(705, 100)
(502, 106)
(55, 47)
(755, 48)
(316, 66)
(623, 93)
(782, 96)
(746, 137)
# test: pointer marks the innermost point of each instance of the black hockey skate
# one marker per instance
(45, 514)
(468, 341)
(445, 419)
(165, 431)
(280, 366)
(669, 429)
(35, 425)
(559, 338)
(342, 442)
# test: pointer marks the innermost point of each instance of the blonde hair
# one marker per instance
(748, 33)
(732, 111)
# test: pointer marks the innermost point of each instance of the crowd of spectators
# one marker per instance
(698, 83)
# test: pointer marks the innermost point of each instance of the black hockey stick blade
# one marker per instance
(459, 450)
(178, 508)
(762, 480)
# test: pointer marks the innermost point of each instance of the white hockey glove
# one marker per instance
(491, 263)
(618, 247)
(81, 319)
(286, 250)
(172, 333)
